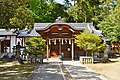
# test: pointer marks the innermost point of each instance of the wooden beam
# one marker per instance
(47, 30)
(71, 30)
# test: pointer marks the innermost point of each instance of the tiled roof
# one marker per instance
(2, 38)
(4, 32)
(22, 33)
(33, 33)
(28, 33)
(76, 26)
(79, 26)
(92, 29)
(40, 26)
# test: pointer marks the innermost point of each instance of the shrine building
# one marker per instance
(60, 35)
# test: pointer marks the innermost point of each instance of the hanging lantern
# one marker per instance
(68, 49)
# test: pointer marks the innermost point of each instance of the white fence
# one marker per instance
(86, 60)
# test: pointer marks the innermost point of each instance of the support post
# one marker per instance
(24, 41)
(59, 46)
(72, 50)
(47, 50)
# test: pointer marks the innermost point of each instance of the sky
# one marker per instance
(59, 1)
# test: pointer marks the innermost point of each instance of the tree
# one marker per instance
(21, 19)
(14, 14)
(46, 10)
(67, 3)
(90, 10)
(83, 10)
(103, 10)
(89, 42)
(111, 24)
(36, 46)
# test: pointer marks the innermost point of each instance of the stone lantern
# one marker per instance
(5, 49)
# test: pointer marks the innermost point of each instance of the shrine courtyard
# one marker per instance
(68, 70)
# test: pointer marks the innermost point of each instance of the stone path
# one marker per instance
(81, 72)
(51, 71)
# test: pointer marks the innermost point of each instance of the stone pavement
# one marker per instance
(80, 72)
(53, 71)
(50, 71)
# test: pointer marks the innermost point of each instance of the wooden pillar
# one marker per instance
(24, 42)
(47, 50)
(59, 46)
(72, 50)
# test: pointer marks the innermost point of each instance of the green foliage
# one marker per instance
(21, 18)
(111, 24)
(83, 10)
(35, 46)
(14, 14)
(90, 10)
(102, 10)
(67, 3)
(104, 13)
(46, 10)
(89, 42)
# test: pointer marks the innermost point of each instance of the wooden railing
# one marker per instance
(86, 60)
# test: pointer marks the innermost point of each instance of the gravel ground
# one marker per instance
(81, 72)
(110, 70)
(15, 71)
